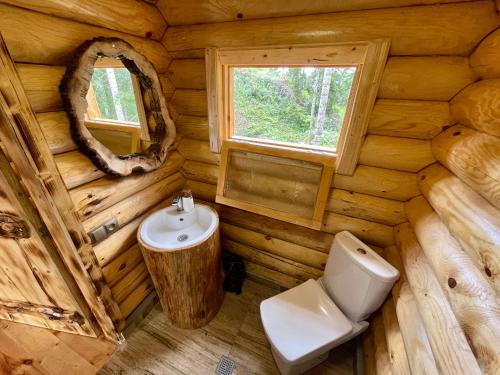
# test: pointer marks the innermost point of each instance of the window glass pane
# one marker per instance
(301, 105)
(114, 95)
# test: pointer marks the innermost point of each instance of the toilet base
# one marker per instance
(287, 368)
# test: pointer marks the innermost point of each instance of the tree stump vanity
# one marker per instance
(183, 256)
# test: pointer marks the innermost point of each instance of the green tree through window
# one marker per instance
(303, 105)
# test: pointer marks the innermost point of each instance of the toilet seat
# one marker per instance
(303, 321)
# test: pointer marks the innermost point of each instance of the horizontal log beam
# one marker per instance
(41, 83)
(473, 221)
(191, 12)
(368, 231)
(403, 154)
(55, 128)
(196, 150)
(130, 282)
(471, 297)
(190, 102)
(188, 73)
(384, 183)
(271, 261)
(135, 298)
(425, 78)
(76, 169)
(409, 118)
(126, 210)
(202, 190)
(21, 27)
(203, 172)
(121, 266)
(96, 196)
(119, 15)
(193, 127)
(267, 275)
(477, 106)
(473, 157)
(449, 29)
(285, 249)
(368, 207)
(484, 60)
(451, 351)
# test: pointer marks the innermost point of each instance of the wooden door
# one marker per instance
(33, 286)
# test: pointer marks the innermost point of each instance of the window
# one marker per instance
(300, 109)
(291, 105)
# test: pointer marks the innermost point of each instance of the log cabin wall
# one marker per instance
(444, 314)
(41, 37)
(428, 65)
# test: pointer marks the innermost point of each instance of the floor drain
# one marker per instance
(182, 237)
(225, 366)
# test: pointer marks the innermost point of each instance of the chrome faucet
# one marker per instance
(183, 201)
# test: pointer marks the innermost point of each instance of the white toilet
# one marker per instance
(305, 322)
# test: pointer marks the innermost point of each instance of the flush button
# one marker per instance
(360, 250)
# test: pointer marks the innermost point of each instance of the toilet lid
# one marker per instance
(302, 320)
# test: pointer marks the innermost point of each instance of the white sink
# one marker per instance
(169, 229)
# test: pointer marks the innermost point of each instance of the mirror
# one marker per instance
(117, 111)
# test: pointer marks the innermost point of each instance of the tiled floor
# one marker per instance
(158, 348)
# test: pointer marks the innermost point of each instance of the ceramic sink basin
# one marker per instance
(169, 229)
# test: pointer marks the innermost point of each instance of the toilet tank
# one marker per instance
(356, 277)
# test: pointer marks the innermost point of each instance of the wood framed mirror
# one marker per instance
(117, 111)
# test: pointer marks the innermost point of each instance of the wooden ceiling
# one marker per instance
(187, 12)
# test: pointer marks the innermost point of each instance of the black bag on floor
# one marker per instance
(234, 270)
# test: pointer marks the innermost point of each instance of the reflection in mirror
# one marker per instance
(116, 108)
(115, 112)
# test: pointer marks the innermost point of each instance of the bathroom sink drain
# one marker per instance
(225, 366)
(182, 237)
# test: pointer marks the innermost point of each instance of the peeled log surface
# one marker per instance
(472, 220)
(203, 172)
(190, 102)
(130, 303)
(40, 39)
(266, 275)
(188, 281)
(484, 60)
(368, 353)
(395, 345)
(276, 246)
(41, 83)
(121, 265)
(193, 127)
(198, 151)
(382, 360)
(381, 182)
(188, 73)
(473, 157)
(403, 154)
(420, 357)
(127, 209)
(373, 233)
(271, 261)
(282, 230)
(478, 106)
(425, 78)
(189, 12)
(76, 169)
(368, 207)
(449, 29)
(409, 118)
(118, 15)
(471, 297)
(96, 196)
(449, 344)
(55, 128)
(202, 190)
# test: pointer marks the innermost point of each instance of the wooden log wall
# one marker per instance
(42, 36)
(412, 108)
(449, 252)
